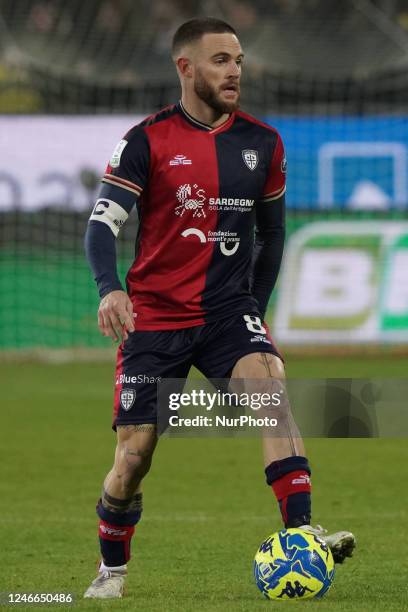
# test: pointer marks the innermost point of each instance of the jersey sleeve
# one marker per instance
(122, 184)
(275, 184)
(124, 180)
(270, 229)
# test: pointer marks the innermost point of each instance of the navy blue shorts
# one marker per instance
(149, 356)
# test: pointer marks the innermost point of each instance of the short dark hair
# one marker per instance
(193, 30)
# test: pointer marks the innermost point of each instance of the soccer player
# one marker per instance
(208, 183)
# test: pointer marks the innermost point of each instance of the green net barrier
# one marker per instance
(47, 294)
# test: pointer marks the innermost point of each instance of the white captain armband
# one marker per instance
(110, 213)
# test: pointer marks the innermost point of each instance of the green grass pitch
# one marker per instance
(206, 505)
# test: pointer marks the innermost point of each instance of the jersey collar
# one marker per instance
(204, 126)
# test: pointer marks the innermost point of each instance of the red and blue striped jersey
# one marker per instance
(197, 190)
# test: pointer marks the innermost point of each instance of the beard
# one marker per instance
(210, 96)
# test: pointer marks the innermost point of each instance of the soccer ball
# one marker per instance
(293, 564)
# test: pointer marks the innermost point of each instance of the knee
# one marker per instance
(131, 465)
(134, 452)
(136, 460)
(274, 366)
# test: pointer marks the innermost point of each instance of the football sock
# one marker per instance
(116, 530)
(112, 568)
(290, 481)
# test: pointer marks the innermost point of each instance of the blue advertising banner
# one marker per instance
(346, 162)
(334, 162)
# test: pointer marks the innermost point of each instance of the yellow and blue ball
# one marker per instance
(292, 564)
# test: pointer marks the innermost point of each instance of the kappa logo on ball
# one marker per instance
(127, 398)
(250, 158)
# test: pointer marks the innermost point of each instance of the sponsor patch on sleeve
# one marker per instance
(116, 155)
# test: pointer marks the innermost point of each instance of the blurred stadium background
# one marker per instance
(331, 76)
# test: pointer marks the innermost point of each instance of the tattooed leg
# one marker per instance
(286, 467)
(264, 372)
(121, 504)
(113, 504)
(133, 458)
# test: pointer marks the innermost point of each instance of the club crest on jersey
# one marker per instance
(190, 198)
(127, 398)
(250, 158)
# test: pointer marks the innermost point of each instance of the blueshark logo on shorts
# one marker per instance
(127, 398)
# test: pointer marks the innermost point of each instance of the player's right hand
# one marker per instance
(115, 316)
